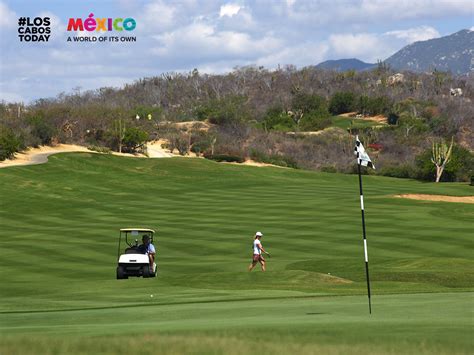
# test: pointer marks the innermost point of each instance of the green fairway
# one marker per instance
(354, 123)
(58, 248)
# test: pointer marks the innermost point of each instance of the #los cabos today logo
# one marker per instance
(92, 25)
(34, 29)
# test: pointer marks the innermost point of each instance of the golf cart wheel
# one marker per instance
(146, 271)
(121, 273)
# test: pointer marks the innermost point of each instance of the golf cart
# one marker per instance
(134, 261)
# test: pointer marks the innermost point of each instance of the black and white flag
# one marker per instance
(362, 156)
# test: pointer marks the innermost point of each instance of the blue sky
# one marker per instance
(212, 36)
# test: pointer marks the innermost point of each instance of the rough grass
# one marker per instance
(58, 248)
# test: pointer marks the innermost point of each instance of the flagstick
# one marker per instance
(365, 240)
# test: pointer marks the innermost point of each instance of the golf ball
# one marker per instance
(151, 295)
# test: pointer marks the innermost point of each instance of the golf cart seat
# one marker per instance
(132, 250)
(141, 249)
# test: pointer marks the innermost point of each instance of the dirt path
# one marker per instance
(155, 150)
(442, 198)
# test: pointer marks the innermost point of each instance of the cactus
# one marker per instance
(441, 155)
(119, 128)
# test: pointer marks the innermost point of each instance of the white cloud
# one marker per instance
(329, 12)
(229, 10)
(242, 21)
(10, 97)
(364, 46)
(8, 18)
(414, 9)
(421, 33)
(157, 16)
(300, 55)
(200, 41)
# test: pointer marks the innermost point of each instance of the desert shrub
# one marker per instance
(309, 103)
(42, 130)
(100, 149)
(354, 169)
(314, 122)
(133, 139)
(373, 105)
(201, 147)
(411, 125)
(342, 102)
(459, 168)
(179, 141)
(225, 158)
(281, 160)
(9, 143)
(442, 126)
(224, 110)
(329, 169)
(315, 114)
(277, 119)
(274, 159)
(399, 171)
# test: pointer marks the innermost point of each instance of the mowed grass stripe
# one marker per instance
(313, 323)
(60, 226)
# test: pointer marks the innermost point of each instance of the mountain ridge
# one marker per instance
(454, 53)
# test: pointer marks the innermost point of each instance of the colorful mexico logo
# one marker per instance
(98, 25)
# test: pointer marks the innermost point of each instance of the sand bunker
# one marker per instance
(40, 155)
(251, 162)
(442, 198)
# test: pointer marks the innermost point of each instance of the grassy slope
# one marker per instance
(58, 253)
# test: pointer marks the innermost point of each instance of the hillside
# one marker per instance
(454, 53)
(266, 116)
(345, 64)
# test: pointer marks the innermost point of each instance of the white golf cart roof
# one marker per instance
(145, 230)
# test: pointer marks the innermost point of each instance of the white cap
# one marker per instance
(259, 234)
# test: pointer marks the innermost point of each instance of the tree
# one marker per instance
(134, 138)
(42, 130)
(276, 118)
(441, 155)
(179, 141)
(341, 102)
(311, 111)
(409, 123)
(119, 132)
(459, 167)
(9, 143)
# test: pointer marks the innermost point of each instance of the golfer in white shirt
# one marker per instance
(257, 252)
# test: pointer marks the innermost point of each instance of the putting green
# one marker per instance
(58, 247)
